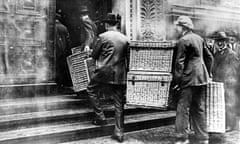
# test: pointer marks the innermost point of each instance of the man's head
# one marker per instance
(232, 36)
(58, 15)
(221, 40)
(111, 21)
(183, 23)
(83, 10)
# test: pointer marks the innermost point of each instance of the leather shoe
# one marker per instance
(117, 138)
(99, 122)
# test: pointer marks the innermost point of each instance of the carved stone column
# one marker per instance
(145, 20)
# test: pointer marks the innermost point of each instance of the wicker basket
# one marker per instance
(80, 68)
(76, 49)
(215, 107)
(148, 89)
(151, 56)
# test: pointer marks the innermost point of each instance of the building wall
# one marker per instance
(26, 41)
(118, 7)
(152, 20)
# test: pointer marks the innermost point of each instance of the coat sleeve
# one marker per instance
(208, 59)
(89, 28)
(97, 47)
(180, 59)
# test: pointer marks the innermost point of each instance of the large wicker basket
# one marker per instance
(151, 56)
(215, 107)
(80, 67)
(148, 89)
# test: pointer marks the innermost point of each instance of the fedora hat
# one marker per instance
(219, 36)
(112, 18)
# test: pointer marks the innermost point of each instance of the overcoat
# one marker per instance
(88, 32)
(111, 53)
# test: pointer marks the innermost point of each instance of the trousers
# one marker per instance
(117, 92)
(191, 105)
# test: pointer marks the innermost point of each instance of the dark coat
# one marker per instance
(226, 67)
(110, 51)
(88, 32)
(62, 40)
(190, 68)
(62, 45)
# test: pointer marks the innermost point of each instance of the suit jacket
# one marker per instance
(110, 51)
(190, 69)
(88, 32)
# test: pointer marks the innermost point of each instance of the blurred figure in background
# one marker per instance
(62, 46)
(88, 29)
(225, 69)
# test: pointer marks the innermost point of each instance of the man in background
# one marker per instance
(225, 69)
(62, 45)
(88, 29)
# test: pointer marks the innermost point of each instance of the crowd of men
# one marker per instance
(197, 63)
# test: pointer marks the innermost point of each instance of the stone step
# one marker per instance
(35, 104)
(27, 120)
(57, 133)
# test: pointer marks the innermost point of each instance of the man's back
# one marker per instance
(190, 64)
(112, 51)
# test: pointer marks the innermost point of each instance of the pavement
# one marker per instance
(161, 135)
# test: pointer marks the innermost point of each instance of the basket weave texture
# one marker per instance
(76, 49)
(215, 107)
(148, 89)
(151, 56)
(79, 65)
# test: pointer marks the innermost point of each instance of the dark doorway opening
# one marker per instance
(70, 15)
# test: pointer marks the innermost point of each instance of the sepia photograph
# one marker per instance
(119, 71)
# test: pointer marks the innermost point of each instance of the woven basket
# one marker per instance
(151, 56)
(80, 68)
(215, 107)
(76, 49)
(148, 89)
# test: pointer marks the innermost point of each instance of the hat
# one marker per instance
(184, 21)
(233, 33)
(58, 16)
(112, 18)
(219, 36)
(83, 9)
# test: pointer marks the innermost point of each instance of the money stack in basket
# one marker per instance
(80, 67)
(215, 107)
(148, 80)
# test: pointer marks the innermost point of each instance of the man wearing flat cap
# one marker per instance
(191, 75)
(110, 51)
(88, 29)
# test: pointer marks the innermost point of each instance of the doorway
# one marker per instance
(70, 15)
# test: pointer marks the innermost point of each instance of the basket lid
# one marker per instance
(149, 76)
(156, 44)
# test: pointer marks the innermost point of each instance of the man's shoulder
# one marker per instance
(114, 35)
(61, 26)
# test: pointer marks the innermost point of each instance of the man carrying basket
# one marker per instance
(110, 51)
(191, 76)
